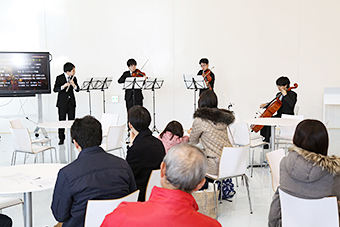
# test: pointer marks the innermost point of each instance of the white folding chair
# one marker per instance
(287, 132)
(233, 163)
(297, 212)
(274, 158)
(154, 180)
(22, 143)
(108, 120)
(6, 202)
(97, 209)
(17, 124)
(113, 140)
(242, 138)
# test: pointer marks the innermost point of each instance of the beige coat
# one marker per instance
(210, 127)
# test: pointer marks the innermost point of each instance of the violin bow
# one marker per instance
(144, 65)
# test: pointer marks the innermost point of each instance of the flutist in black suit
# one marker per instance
(66, 103)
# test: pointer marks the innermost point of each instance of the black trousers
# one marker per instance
(5, 221)
(70, 111)
(129, 103)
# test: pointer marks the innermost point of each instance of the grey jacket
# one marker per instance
(306, 175)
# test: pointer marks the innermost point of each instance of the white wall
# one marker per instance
(250, 43)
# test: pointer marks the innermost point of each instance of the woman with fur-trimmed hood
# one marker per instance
(210, 127)
(307, 172)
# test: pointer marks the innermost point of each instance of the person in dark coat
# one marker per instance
(132, 96)
(95, 174)
(288, 99)
(145, 152)
(5, 221)
(66, 103)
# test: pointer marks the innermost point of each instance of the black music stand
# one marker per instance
(87, 86)
(134, 83)
(100, 83)
(152, 84)
(194, 83)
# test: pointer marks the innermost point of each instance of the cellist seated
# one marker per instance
(288, 99)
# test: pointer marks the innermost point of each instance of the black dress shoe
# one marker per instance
(61, 142)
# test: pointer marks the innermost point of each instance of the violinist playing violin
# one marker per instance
(208, 75)
(132, 96)
(288, 99)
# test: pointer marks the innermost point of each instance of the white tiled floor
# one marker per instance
(235, 213)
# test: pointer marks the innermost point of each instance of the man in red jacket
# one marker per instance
(182, 172)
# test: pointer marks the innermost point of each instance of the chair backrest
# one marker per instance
(114, 136)
(233, 161)
(297, 212)
(108, 120)
(6, 202)
(21, 139)
(97, 209)
(289, 130)
(16, 123)
(154, 180)
(274, 158)
(241, 134)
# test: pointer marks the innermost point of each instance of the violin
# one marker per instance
(271, 109)
(207, 77)
(138, 73)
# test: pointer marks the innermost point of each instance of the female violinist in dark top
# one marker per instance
(288, 99)
(208, 75)
(132, 96)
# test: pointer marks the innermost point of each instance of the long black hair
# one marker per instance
(175, 128)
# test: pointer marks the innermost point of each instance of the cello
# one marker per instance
(271, 109)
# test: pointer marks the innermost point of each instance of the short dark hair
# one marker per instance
(208, 99)
(312, 135)
(204, 60)
(68, 67)
(175, 128)
(131, 62)
(282, 81)
(139, 117)
(87, 132)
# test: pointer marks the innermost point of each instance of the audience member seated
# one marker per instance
(173, 135)
(145, 152)
(210, 128)
(182, 172)
(5, 221)
(307, 172)
(95, 174)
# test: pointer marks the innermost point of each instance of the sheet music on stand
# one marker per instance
(101, 83)
(152, 84)
(87, 84)
(134, 83)
(194, 82)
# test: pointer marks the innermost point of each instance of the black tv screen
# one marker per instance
(24, 73)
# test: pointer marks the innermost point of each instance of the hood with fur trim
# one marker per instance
(215, 115)
(317, 163)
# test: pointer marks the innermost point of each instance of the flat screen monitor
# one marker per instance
(24, 73)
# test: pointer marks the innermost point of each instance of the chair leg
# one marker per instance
(25, 158)
(14, 157)
(43, 156)
(247, 184)
(252, 165)
(215, 199)
(51, 155)
(35, 158)
(236, 181)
